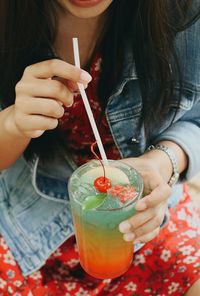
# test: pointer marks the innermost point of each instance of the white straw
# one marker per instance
(87, 105)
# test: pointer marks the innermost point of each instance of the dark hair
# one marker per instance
(28, 28)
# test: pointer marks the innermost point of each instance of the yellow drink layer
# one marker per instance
(103, 252)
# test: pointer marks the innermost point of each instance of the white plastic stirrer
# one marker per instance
(87, 105)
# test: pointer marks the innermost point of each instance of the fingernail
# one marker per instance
(85, 86)
(140, 206)
(124, 226)
(69, 104)
(60, 103)
(85, 77)
(129, 237)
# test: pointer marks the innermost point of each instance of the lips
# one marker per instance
(85, 3)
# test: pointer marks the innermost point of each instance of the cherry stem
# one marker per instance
(97, 157)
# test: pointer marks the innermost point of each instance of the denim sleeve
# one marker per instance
(186, 133)
(187, 47)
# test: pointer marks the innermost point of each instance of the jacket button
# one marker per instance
(135, 141)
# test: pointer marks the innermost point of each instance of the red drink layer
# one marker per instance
(102, 250)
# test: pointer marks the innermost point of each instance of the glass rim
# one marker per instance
(115, 209)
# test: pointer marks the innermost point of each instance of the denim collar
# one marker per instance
(129, 68)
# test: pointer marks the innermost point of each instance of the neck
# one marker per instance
(87, 31)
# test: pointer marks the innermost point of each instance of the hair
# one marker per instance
(28, 29)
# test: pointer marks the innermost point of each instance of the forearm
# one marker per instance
(162, 161)
(12, 143)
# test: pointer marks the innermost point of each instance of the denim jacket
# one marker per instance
(35, 215)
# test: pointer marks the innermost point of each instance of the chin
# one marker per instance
(85, 8)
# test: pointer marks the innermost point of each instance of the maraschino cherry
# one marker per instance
(102, 183)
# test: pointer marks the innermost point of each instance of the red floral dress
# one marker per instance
(76, 126)
(167, 265)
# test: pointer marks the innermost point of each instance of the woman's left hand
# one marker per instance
(150, 210)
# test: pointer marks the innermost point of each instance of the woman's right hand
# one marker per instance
(40, 99)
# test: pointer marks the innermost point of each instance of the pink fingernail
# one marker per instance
(129, 237)
(85, 77)
(60, 103)
(124, 227)
(140, 206)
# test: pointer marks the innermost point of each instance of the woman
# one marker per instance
(143, 58)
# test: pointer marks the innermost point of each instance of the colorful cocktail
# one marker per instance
(96, 215)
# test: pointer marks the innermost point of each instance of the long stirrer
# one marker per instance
(87, 105)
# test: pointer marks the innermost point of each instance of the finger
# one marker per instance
(71, 85)
(57, 90)
(149, 226)
(148, 237)
(55, 67)
(34, 134)
(142, 239)
(47, 88)
(42, 106)
(157, 196)
(136, 221)
(35, 122)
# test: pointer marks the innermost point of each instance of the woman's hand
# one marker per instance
(145, 224)
(40, 99)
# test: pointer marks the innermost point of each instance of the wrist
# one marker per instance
(159, 161)
(173, 159)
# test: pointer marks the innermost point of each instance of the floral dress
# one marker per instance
(167, 265)
(76, 126)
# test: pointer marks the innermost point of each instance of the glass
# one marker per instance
(103, 252)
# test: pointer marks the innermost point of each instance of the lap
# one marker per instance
(168, 265)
